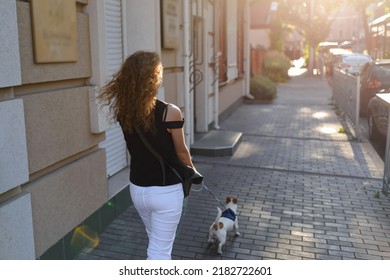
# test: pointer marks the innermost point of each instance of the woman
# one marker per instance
(132, 96)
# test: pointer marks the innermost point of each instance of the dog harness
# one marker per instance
(228, 213)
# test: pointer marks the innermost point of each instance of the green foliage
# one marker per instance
(276, 38)
(311, 17)
(306, 54)
(276, 65)
(278, 32)
(262, 88)
(317, 30)
(342, 130)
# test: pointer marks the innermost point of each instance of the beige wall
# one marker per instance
(259, 38)
(229, 94)
(65, 197)
(66, 180)
(16, 236)
(67, 169)
(57, 126)
(38, 73)
(171, 83)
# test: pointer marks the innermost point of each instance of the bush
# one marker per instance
(276, 65)
(262, 88)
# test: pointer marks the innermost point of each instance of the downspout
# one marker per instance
(186, 73)
(124, 30)
(247, 52)
(216, 65)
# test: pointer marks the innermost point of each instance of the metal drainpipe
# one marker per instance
(186, 73)
(216, 57)
(247, 52)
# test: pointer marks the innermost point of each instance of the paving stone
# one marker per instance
(315, 250)
(302, 254)
(367, 257)
(303, 193)
(384, 255)
(302, 243)
(277, 250)
(341, 254)
(287, 257)
(328, 257)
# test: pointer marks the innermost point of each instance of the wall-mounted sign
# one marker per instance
(170, 24)
(54, 30)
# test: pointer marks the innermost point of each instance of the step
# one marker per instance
(217, 143)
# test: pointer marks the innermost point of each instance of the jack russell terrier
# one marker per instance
(225, 221)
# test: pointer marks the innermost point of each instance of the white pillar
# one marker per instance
(216, 58)
(186, 73)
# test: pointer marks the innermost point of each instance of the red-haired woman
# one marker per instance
(132, 97)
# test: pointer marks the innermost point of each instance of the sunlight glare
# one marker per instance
(84, 238)
(297, 69)
(327, 129)
(320, 115)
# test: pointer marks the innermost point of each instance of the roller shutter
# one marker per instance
(114, 144)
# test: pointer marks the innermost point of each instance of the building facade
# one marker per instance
(63, 161)
(346, 25)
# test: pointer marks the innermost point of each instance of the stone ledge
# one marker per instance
(217, 143)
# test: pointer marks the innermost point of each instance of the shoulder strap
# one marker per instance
(159, 157)
(153, 151)
(165, 113)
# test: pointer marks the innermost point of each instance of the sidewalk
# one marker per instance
(305, 190)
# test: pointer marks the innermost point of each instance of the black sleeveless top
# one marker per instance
(145, 169)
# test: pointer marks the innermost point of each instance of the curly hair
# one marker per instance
(131, 94)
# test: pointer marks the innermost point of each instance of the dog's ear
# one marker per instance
(235, 200)
(228, 199)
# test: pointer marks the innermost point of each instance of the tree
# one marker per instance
(312, 17)
(309, 16)
(361, 6)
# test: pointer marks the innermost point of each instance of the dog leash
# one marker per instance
(203, 186)
(185, 202)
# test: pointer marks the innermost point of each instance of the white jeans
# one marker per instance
(160, 210)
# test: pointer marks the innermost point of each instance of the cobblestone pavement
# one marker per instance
(305, 190)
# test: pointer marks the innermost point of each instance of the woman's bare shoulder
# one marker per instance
(174, 113)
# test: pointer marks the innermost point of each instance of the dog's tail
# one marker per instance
(218, 215)
(216, 223)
